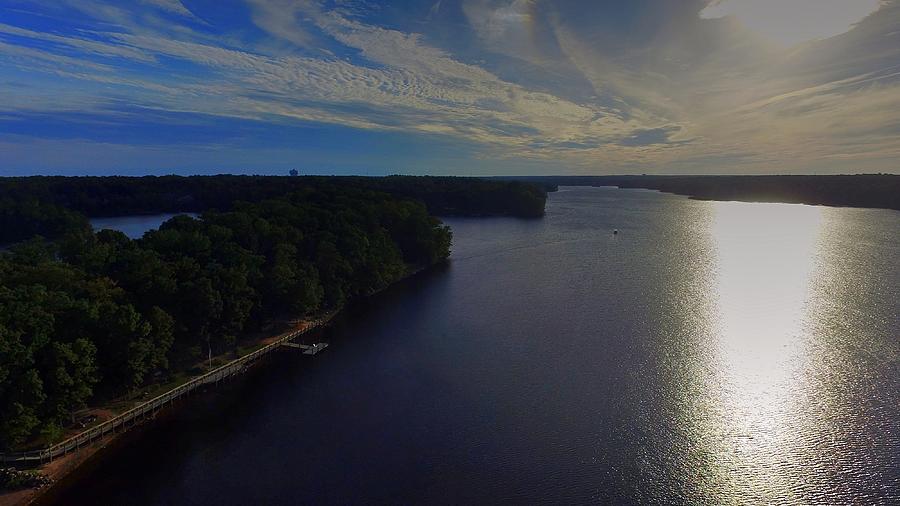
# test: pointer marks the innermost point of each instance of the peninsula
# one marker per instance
(93, 319)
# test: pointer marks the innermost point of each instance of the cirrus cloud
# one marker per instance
(573, 85)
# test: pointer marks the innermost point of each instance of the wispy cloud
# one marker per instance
(173, 6)
(669, 89)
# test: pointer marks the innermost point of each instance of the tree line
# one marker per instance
(49, 205)
(89, 316)
(858, 190)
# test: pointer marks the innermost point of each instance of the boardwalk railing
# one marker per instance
(128, 419)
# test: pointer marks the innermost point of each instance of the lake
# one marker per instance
(708, 353)
(134, 226)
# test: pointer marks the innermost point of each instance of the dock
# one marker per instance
(308, 349)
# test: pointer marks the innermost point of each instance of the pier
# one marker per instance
(307, 349)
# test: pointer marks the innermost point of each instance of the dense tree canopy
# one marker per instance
(93, 315)
(22, 217)
(41, 199)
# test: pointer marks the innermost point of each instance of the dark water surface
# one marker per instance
(710, 353)
(133, 226)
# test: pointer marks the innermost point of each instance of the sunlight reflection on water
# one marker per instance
(765, 257)
(771, 408)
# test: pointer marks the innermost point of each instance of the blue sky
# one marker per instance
(466, 87)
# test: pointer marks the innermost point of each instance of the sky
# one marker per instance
(464, 87)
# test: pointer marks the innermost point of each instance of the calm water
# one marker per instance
(133, 226)
(711, 353)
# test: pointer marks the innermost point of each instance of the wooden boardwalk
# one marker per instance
(148, 409)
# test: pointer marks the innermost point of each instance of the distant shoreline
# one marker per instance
(877, 191)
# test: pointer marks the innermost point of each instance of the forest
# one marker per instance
(49, 205)
(86, 317)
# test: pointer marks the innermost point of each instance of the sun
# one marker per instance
(791, 22)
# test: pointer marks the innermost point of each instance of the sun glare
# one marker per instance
(790, 22)
(765, 259)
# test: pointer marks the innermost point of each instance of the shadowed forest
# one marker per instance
(50, 206)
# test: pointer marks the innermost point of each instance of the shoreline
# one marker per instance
(65, 470)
